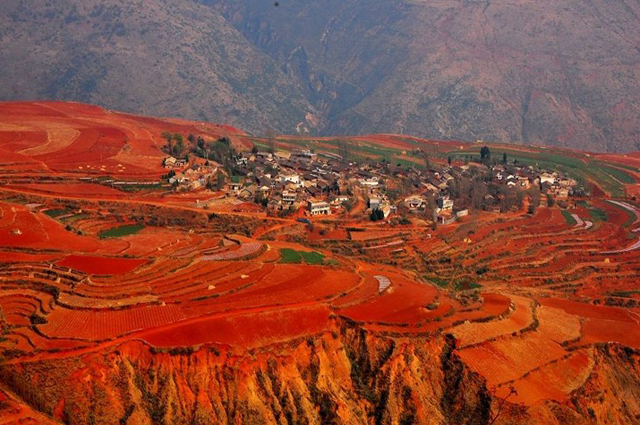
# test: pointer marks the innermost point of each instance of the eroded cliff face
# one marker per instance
(345, 376)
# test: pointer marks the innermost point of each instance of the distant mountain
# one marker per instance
(545, 72)
(160, 57)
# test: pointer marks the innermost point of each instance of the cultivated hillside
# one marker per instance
(126, 299)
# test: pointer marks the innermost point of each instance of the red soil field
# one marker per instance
(603, 330)
(557, 325)
(23, 257)
(165, 294)
(246, 329)
(21, 228)
(118, 143)
(404, 302)
(473, 333)
(284, 285)
(495, 304)
(101, 265)
(80, 189)
(507, 359)
(101, 325)
(554, 381)
(592, 311)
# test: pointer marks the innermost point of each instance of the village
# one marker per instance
(307, 184)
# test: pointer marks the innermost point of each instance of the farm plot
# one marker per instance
(243, 251)
(165, 280)
(473, 333)
(21, 228)
(41, 343)
(605, 330)
(553, 381)
(383, 282)
(101, 265)
(243, 329)
(571, 220)
(557, 325)
(284, 285)
(83, 302)
(143, 278)
(288, 255)
(234, 279)
(18, 310)
(495, 304)
(116, 232)
(368, 288)
(633, 217)
(85, 190)
(58, 137)
(53, 213)
(507, 359)
(405, 303)
(102, 325)
(373, 234)
(591, 311)
(24, 257)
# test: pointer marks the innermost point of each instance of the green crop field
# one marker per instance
(617, 174)
(296, 257)
(567, 216)
(312, 257)
(439, 281)
(290, 256)
(597, 214)
(58, 212)
(116, 232)
(74, 218)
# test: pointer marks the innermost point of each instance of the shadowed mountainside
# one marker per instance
(545, 72)
(160, 57)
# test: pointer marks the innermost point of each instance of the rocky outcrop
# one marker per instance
(344, 376)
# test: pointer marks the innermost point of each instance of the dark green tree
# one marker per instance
(485, 153)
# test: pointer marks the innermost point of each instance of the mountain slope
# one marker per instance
(557, 73)
(164, 57)
(543, 72)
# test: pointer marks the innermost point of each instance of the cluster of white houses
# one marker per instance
(285, 182)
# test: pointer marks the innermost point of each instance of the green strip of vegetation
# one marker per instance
(631, 217)
(74, 218)
(312, 257)
(617, 174)
(624, 294)
(57, 212)
(570, 220)
(439, 281)
(140, 188)
(116, 232)
(292, 256)
(598, 215)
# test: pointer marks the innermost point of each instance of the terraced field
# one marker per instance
(525, 298)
